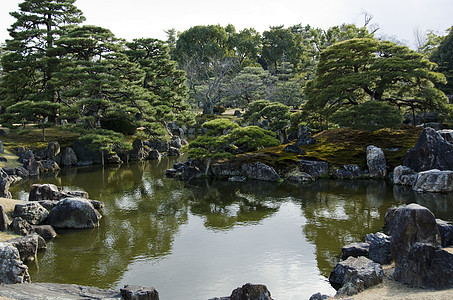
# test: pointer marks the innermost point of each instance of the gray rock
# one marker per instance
(48, 204)
(430, 152)
(135, 292)
(319, 296)
(349, 172)
(403, 175)
(172, 151)
(447, 135)
(225, 170)
(45, 231)
(299, 177)
(20, 227)
(158, 145)
(379, 250)
(172, 173)
(434, 181)
(303, 138)
(294, 149)
(139, 151)
(375, 160)
(47, 191)
(314, 168)
(237, 179)
(22, 172)
(408, 225)
(27, 246)
(154, 154)
(10, 171)
(85, 155)
(426, 266)
(34, 167)
(34, 213)
(358, 273)
(49, 166)
(53, 149)
(75, 194)
(113, 158)
(260, 171)
(74, 213)
(55, 291)
(2, 147)
(68, 157)
(5, 182)
(446, 232)
(355, 250)
(176, 142)
(4, 221)
(12, 269)
(251, 292)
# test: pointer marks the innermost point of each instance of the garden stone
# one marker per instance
(426, 266)
(22, 172)
(47, 232)
(5, 182)
(403, 175)
(349, 172)
(260, 171)
(359, 272)
(303, 138)
(157, 145)
(27, 246)
(379, 248)
(68, 157)
(48, 204)
(34, 167)
(20, 227)
(430, 152)
(375, 160)
(135, 292)
(75, 213)
(176, 142)
(319, 296)
(434, 181)
(34, 213)
(10, 171)
(314, 168)
(294, 149)
(4, 221)
(251, 292)
(45, 192)
(299, 177)
(355, 250)
(408, 225)
(53, 149)
(447, 134)
(12, 269)
(139, 151)
(172, 151)
(154, 154)
(446, 232)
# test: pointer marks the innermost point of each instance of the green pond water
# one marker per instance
(202, 239)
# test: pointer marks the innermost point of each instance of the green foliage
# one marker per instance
(252, 138)
(371, 115)
(217, 127)
(443, 56)
(269, 115)
(104, 140)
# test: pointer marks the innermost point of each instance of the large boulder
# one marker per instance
(68, 157)
(446, 232)
(139, 151)
(426, 266)
(379, 250)
(403, 175)
(303, 137)
(430, 152)
(355, 250)
(27, 246)
(294, 149)
(47, 191)
(136, 292)
(376, 163)
(260, 171)
(434, 181)
(86, 155)
(12, 269)
(356, 274)
(20, 227)
(349, 172)
(251, 292)
(53, 149)
(47, 232)
(74, 213)
(314, 168)
(408, 225)
(33, 212)
(5, 182)
(299, 177)
(4, 221)
(34, 167)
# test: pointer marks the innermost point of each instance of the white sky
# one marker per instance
(149, 18)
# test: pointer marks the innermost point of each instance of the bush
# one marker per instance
(371, 115)
(218, 126)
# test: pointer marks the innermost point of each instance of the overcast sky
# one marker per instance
(149, 18)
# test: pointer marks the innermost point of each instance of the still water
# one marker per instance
(202, 239)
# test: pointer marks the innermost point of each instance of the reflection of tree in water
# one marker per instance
(341, 212)
(227, 204)
(142, 214)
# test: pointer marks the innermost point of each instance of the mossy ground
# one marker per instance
(340, 147)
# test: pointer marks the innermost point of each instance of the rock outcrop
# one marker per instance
(314, 168)
(403, 175)
(260, 171)
(74, 213)
(12, 269)
(251, 292)
(4, 221)
(434, 181)
(355, 250)
(379, 250)
(376, 162)
(33, 212)
(136, 292)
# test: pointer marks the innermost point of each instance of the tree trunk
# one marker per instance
(43, 134)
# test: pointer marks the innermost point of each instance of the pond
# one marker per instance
(202, 239)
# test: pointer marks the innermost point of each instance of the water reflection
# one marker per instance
(212, 236)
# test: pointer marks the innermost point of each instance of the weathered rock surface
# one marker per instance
(356, 274)
(314, 168)
(74, 213)
(53, 149)
(172, 151)
(5, 182)
(349, 172)
(12, 269)
(303, 137)
(355, 250)
(20, 227)
(408, 225)
(251, 292)
(86, 155)
(45, 231)
(40, 192)
(139, 151)
(430, 152)
(225, 170)
(434, 181)
(379, 248)
(446, 232)
(54, 291)
(294, 149)
(136, 292)
(403, 175)
(447, 134)
(4, 221)
(299, 177)
(33, 212)
(27, 246)
(426, 266)
(154, 154)
(68, 157)
(376, 162)
(319, 296)
(22, 172)
(260, 171)
(33, 167)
